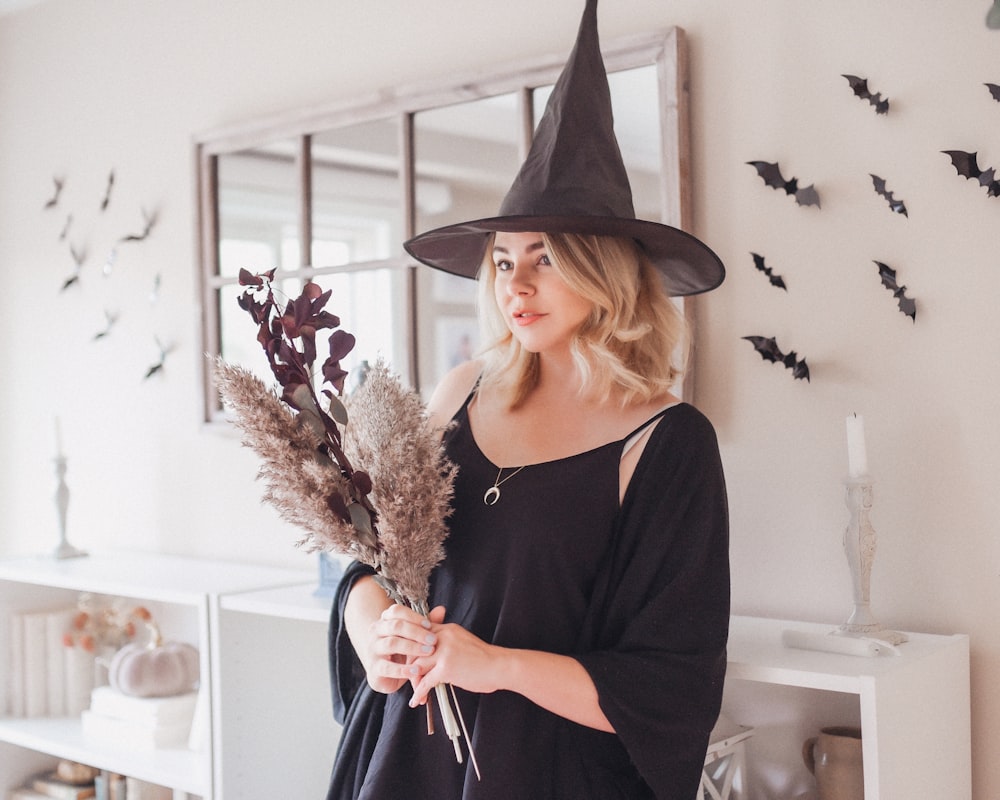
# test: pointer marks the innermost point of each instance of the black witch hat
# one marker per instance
(574, 181)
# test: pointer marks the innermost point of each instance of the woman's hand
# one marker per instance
(459, 658)
(557, 683)
(401, 646)
(393, 642)
(386, 637)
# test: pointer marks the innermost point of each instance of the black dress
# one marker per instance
(638, 594)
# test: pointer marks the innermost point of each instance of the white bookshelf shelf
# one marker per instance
(168, 578)
(287, 602)
(62, 737)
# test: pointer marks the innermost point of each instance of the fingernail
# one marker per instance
(426, 649)
(414, 670)
(426, 623)
(430, 638)
(413, 702)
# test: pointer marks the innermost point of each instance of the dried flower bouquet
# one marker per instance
(390, 515)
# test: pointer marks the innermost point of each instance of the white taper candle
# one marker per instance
(857, 455)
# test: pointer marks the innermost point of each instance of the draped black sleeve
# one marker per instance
(355, 706)
(658, 623)
(347, 675)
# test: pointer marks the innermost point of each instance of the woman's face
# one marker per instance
(540, 308)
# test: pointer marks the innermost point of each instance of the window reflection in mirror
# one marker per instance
(465, 157)
(258, 208)
(637, 128)
(371, 304)
(357, 225)
(355, 222)
(357, 215)
(258, 212)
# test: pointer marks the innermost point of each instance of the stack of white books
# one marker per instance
(45, 677)
(140, 722)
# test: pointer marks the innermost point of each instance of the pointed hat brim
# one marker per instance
(687, 265)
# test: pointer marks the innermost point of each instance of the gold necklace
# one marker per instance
(493, 493)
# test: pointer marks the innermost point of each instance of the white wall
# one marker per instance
(124, 84)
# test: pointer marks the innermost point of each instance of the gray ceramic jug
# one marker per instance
(834, 757)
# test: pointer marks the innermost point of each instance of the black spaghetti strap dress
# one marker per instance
(637, 591)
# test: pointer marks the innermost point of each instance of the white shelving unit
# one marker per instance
(913, 706)
(262, 635)
(181, 593)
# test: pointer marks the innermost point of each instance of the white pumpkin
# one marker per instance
(155, 669)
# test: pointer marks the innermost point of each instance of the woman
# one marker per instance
(582, 608)
(584, 598)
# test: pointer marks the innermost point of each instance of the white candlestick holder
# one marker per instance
(64, 548)
(859, 547)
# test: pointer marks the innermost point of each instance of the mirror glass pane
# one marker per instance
(465, 157)
(637, 128)
(357, 208)
(258, 207)
(358, 218)
(371, 304)
(364, 300)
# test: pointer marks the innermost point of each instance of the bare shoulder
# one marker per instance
(452, 391)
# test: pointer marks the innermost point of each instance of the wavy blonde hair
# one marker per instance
(632, 347)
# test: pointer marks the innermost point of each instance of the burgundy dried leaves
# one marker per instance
(308, 446)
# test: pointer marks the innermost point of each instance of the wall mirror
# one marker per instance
(331, 194)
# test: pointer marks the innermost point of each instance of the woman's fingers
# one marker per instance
(409, 644)
(402, 631)
(398, 638)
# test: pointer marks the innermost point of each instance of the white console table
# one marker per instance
(914, 705)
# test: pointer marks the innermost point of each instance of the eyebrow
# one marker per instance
(539, 245)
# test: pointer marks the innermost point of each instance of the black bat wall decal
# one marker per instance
(52, 201)
(768, 348)
(968, 167)
(994, 90)
(776, 280)
(158, 366)
(65, 231)
(772, 176)
(138, 237)
(894, 204)
(110, 320)
(860, 87)
(906, 304)
(107, 191)
(79, 256)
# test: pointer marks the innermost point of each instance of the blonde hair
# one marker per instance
(633, 345)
